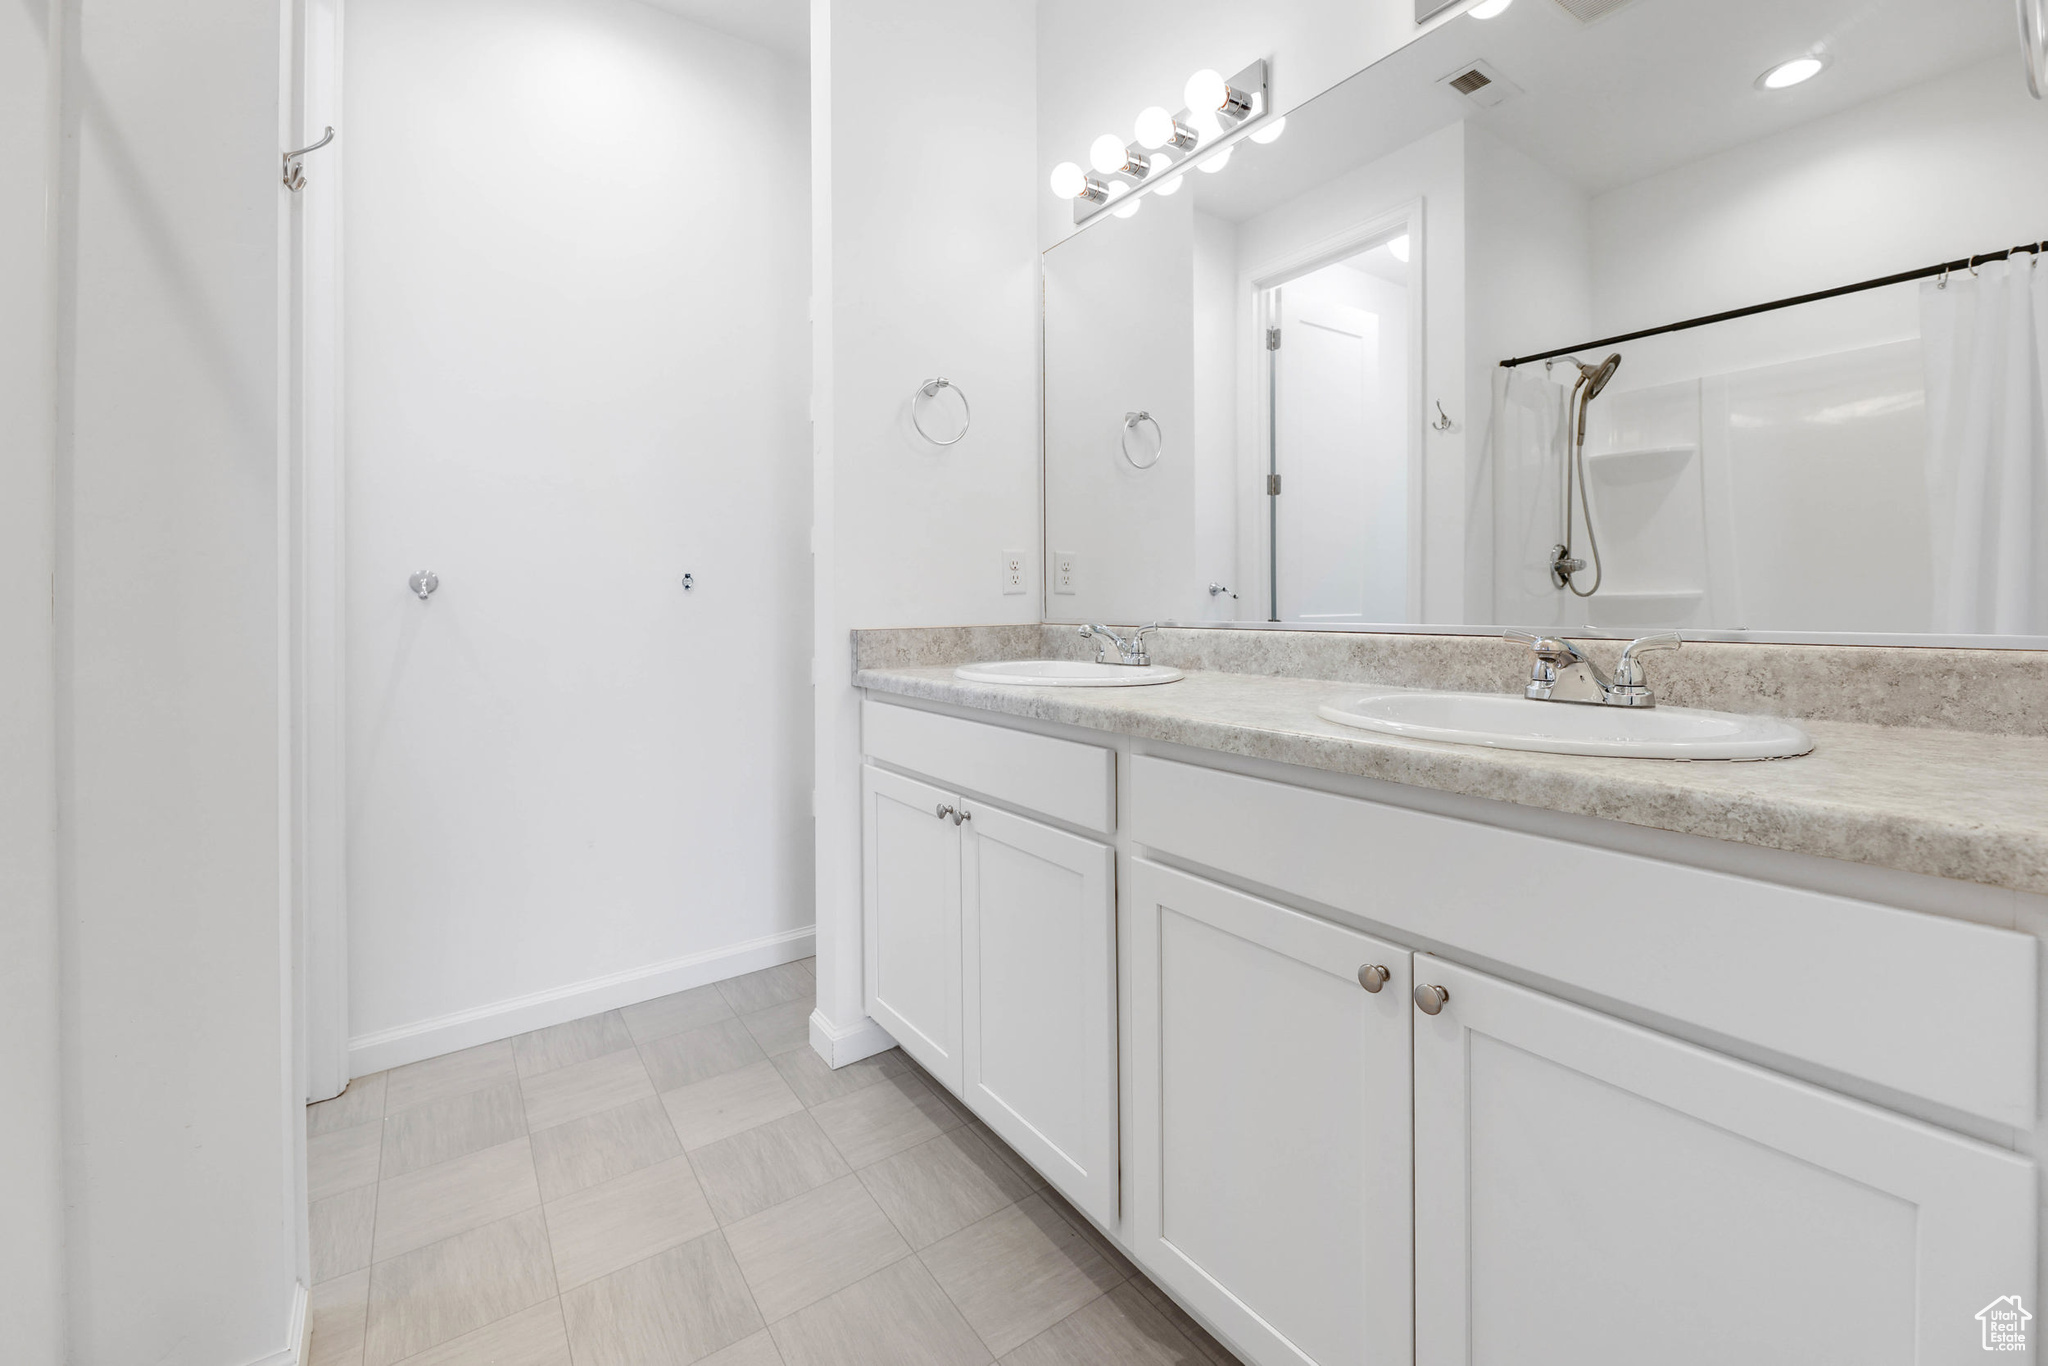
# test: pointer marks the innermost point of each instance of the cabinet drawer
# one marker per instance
(1932, 1007)
(1068, 781)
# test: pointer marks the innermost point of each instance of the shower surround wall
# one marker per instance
(575, 371)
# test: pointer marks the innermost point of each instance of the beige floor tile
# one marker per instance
(805, 1249)
(531, 1337)
(692, 1009)
(896, 1317)
(340, 1232)
(1211, 1351)
(815, 1082)
(452, 1074)
(768, 987)
(765, 1166)
(1010, 1156)
(337, 1309)
(424, 1298)
(565, 1093)
(810, 964)
(679, 1306)
(627, 1219)
(758, 1350)
(596, 1148)
(1104, 1248)
(565, 1045)
(778, 1029)
(731, 1104)
(343, 1159)
(443, 1130)
(700, 1054)
(454, 1197)
(1120, 1327)
(362, 1102)
(941, 1186)
(1018, 1272)
(881, 1120)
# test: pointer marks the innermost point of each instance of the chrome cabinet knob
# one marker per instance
(1372, 977)
(943, 812)
(1431, 1000)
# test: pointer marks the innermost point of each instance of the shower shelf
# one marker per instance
(1637, 466)
(1665, 607)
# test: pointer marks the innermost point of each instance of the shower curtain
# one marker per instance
(1985, 337)
(1528, 449)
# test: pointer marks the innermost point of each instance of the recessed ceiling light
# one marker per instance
(1790, 73)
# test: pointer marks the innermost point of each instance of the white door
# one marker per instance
(1341, 448)
(912, 904)
(1270, 1122)
(1591, 1193)
(1039, 999)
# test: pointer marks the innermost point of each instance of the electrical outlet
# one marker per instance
(1013, 572)
(1063, 571)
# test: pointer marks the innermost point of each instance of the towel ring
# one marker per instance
(1131, 420)
(930, 389)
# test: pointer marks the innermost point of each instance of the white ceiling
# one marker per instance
(1658, 84)
(781, 26)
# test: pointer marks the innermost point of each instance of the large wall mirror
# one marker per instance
(1275, 392)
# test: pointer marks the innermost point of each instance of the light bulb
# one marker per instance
(1156, 165)
(1399, 247)
(1129, 209)
(1271, 131)
(1486, 9)
(1171, 185)
(1108, 154)
(1068, 180)
(1219, 161)
(1155, 128)
(1791, 73)
(1117, 190)
(1205, 92)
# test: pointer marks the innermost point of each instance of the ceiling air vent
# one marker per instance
(1482, 84)
(1586, 11)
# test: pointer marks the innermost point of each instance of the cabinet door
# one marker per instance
(912, 904)
(1591, 1193)
(1270, 1122)
(1039, 997)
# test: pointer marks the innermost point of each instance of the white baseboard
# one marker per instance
(298, 1334)
(395, 1047)
(841, 1045)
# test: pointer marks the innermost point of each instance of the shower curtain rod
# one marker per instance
(1905, 277)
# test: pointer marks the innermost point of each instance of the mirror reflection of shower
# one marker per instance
(1564, 563)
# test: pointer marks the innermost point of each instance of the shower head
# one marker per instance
(1596, 376)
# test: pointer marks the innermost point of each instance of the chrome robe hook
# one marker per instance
(294, 169)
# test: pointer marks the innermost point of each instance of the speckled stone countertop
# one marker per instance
(1952, 804)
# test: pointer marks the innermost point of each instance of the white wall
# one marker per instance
(31, 1153)
(182, 1177)
(1215, 444)
(1101, 61)
(575, 370)
(924, 187)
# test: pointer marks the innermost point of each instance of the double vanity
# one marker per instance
(1378, 1049)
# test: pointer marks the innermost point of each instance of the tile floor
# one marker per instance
(685, 1181)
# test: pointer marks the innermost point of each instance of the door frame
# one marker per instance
(1256, 287)
(314, 512)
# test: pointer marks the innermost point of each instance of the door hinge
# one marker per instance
(1272, 339)
(1273, 485)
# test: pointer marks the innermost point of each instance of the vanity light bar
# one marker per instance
(1241, 102)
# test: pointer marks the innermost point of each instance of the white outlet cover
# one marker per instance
(1013, 572)
(1063, 571)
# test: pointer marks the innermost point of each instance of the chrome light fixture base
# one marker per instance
(1248, 104)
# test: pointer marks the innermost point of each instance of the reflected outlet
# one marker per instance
(1013, 572)
(1063, 571)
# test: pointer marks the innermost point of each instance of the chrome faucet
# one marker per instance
(1130, 650)
(1563, 673)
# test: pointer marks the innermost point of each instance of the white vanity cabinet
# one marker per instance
(1589, 1192)
(990, 934)
(1269, 1116)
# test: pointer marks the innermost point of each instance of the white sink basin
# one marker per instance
(1504, 722)
(1067, 673)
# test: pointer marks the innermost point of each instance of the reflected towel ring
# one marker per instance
(1131, 420)
(930, 389)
